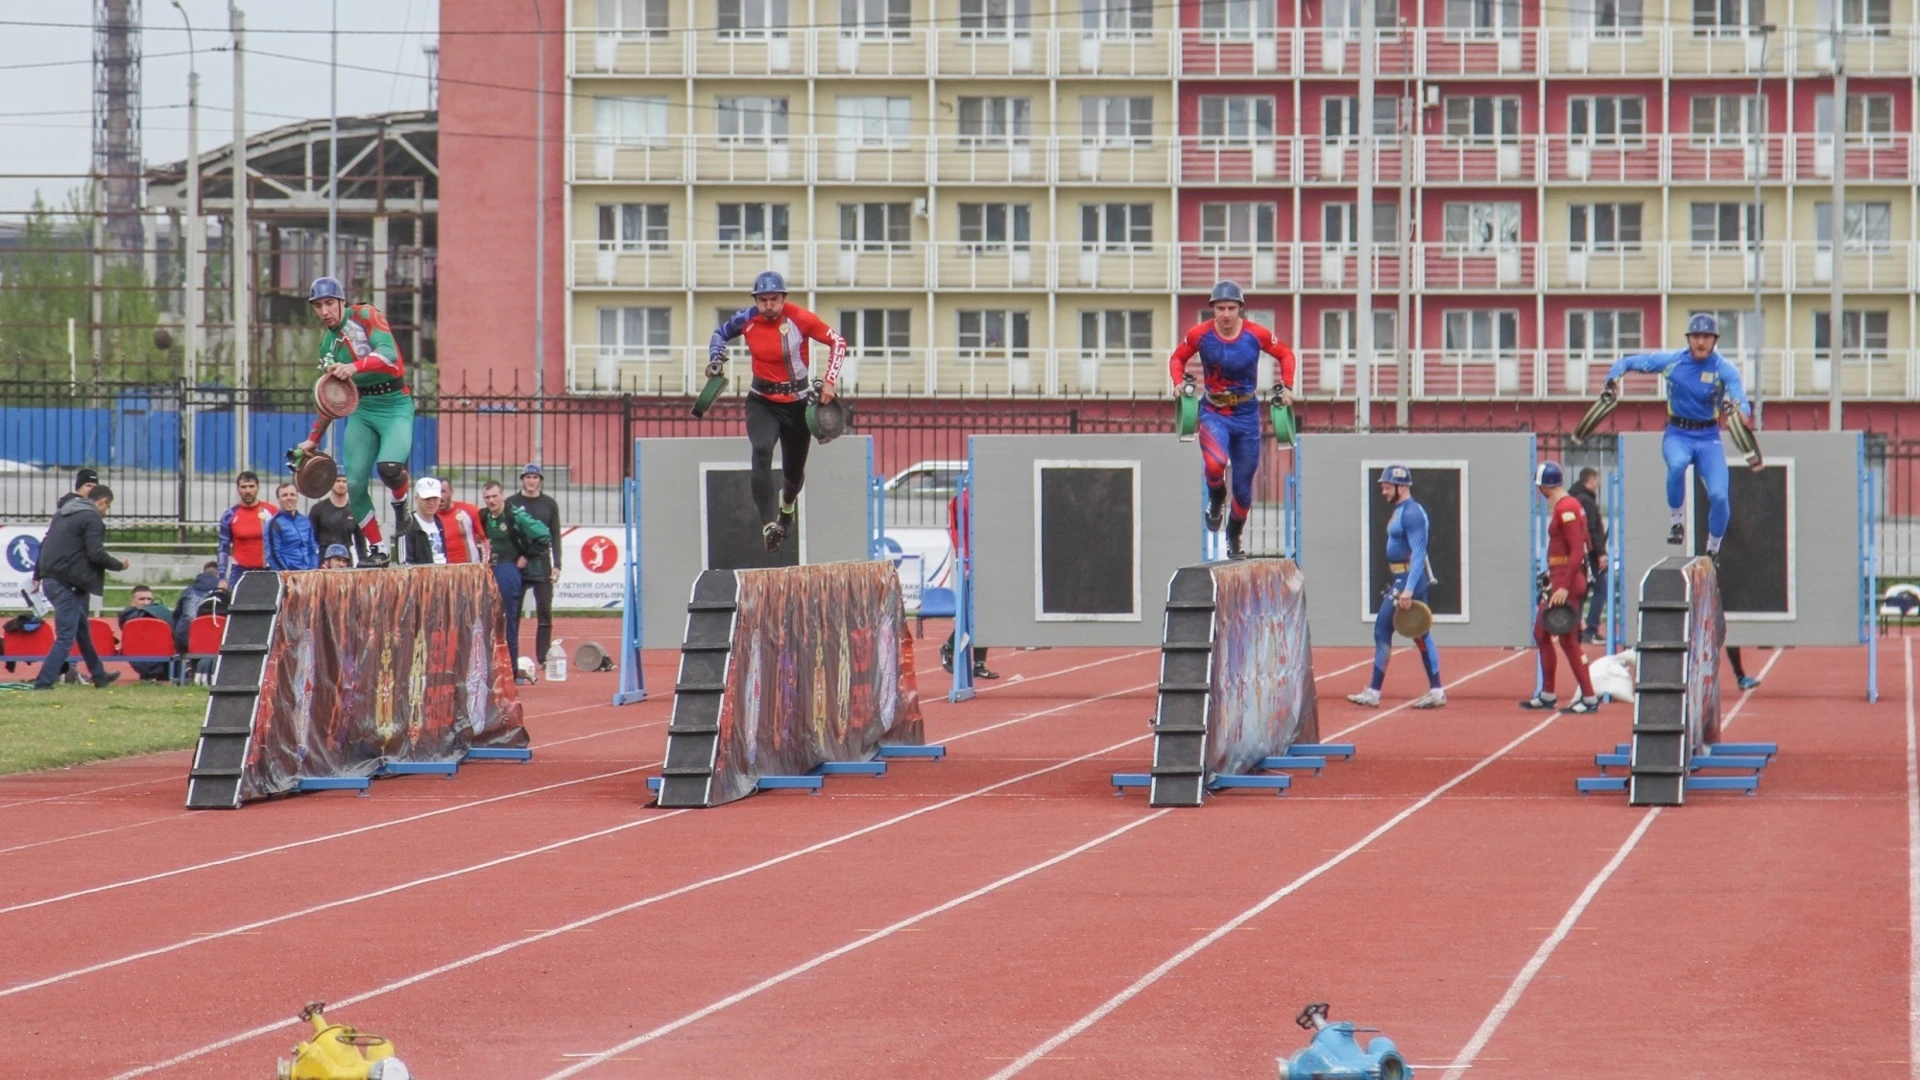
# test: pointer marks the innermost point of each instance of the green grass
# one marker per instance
(72, 724)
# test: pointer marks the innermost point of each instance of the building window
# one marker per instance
(876, 19)
(1483, 120)
(1725, 226)
(630, 121)
(1340, 333)
(995, 121)
(1340, 223)
(636, 332)
(1873, 16)
(1727, 120)
(1116, 226)
(1869, 115)
(1732, 325)
(748, 20)
(633, 226)
(1116, 18)
(1610, 20)
(1346, 14)
(1482, 18)
(1604, 226)
(1235, 121)
(753, 226)
(1603, 333)
(1234, 20)
(986, 19)
(875, 226)
(1340, 117)
(1116, 331)
(751, 121)
(1607, 121)
(874, 121)
(998, 332)
(1116, 121)
(1862, 331)
(1727, 18)
(1869, 226)
(1481, 228)
(633, 18)
(1237, 225)
(1480, 335)
(996, 228)
(876, 331)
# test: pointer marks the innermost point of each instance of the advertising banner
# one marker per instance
(19, 551)
(593, 558)
(371, 666)
(1262, 683)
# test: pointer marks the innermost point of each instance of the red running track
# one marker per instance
(1000, 912)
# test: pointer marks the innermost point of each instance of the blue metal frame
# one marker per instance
(1869, 566)
(1292, 507)
(1616, 556)
(963, 590)
(876, 511)
(1537, 561)
(633, 677)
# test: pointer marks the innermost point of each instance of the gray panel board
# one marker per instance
(1005, 505)
(833, 517)
(1334, 547)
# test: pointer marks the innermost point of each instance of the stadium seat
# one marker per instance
(935, 603)
(149, 640)
(29, 644)
(204, 634)
(1901, 602)
(106, 641)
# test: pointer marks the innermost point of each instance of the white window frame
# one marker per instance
(1750, 226)
(876, 226)
(876, 20)
(1480, 228)
(996, 121)
(1116, 20)
(1871, 17)
(632, 19)
(756, 121)
(1482, 20)
(1873, 324)
(1235, 20)
(1237, 119)
(1340, 117)
(895, 326)
(871, 120)
(630, 121)
(980, 222)
(639, 331)
(995, 20)
(1503, 114)
(1610, 20)
(1869, 226)
(1116, 122)
(1627, 114)
(1869, 119)
(1133, 326)
(1727, 18)
(1342, 17)
(751, 20)
(1340, 224)
(1474, 324)
(1747, 111)
(975, 330)
(632, 226)
(775, 224)
(1238, 226)
(1618, 218)
(1340, 332)
(1588, 323)
(1132, 222)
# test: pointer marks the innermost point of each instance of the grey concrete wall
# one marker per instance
(1823, 537)
(833, 523)
(1495, 550)
(1005, 520)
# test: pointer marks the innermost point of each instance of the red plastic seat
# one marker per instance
(106, 641)
(30, 644)
(147, 638)
(204, 634)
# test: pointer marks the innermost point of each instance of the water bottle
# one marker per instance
(556, 662)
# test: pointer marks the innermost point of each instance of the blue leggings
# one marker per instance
(1383, 634)
(1701, 449)
(1231, 439)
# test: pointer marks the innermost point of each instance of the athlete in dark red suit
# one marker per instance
(1568, 546)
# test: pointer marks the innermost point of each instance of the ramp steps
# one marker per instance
(226, 733)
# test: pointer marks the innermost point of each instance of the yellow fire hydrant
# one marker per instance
(338, 1052)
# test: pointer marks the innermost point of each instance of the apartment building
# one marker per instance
(990, 197)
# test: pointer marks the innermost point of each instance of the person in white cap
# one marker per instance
(426, 543)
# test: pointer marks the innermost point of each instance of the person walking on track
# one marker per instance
(776, 334)
(1568, 550)
(1407, 560)
(542, 571)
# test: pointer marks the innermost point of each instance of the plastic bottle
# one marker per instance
(556, 662)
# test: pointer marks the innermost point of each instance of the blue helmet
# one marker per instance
(1227, 290)
(326, 288)
(1547, 474)
(1703, 323)
(1397, 474)
(769, 281)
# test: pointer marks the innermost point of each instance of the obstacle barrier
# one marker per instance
(786, 676)
(327, 678)
(689, 509)
(1237, 701)
(1676, 745)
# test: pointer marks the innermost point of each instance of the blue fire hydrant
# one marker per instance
(1334, 1054)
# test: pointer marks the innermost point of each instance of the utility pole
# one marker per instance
(1403, 334)
(333, 149)
(196, 299)
(1363, 226)
(240, 245)
(540, 241)
(1837, 224)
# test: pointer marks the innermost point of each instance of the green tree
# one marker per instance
(47, 280)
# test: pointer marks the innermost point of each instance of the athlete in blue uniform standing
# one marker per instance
(1699, 380)
(1412, 577)
(1229, 349)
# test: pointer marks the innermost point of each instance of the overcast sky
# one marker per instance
(46, 71)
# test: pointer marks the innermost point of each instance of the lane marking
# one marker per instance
(859, 943)
(94, 832)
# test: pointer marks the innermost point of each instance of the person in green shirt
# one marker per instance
(514, 537)
(358, 345)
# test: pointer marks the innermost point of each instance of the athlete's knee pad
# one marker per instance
(393, 474)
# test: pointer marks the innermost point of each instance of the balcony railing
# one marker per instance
(1235, 54)
(619, 264)
(1127, 268)
(991, 266)
(869, 265)
(1221, 161)
(1256, 267)
(1113, 161)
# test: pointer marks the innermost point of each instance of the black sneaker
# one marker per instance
(107, 680)
(1236, 547)
(1216, 510)
(774, 534)
(1585, 705)
(980, 672)
(1540, 703)
(375, 560)
(403, 522)
(946, 656)
(1677, 535)
(787, 514)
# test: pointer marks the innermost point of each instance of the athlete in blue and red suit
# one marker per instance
(1229, 349)
(776, 334)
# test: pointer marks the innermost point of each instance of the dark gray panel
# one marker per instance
(1087, 523)
(734, 539)
(1438, 490)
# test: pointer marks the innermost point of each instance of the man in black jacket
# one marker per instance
(542, 573)
(83, 482)
(333, 521)
(1587, 492)
(73, 565)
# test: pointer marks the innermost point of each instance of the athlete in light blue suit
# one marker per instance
(1407, 533)
(1700, 382)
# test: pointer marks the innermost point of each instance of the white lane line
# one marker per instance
(1509, 658)
(247, 928)
(94, 832)
(1141, 984)
(1913, 878)
(91, 791)
(648, 901)
(1465, 1058)
(878, 935)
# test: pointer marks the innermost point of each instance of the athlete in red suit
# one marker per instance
(1568, 546)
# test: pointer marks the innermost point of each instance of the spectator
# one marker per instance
(73, 565)
(1587, 492)
(467, 516)
(515, 538)
(83, 482)
(333, 521)
(192, 598)
(290, 543)
(336, 557)
(542, 573)
(243, 531)
(442, 537)
(144, 607)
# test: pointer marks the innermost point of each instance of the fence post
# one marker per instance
(626, 436)
(183, 466)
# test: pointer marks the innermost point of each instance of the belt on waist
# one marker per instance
(1397, 567)
(1556, 560)
(1226, 400)
(1685, 424)
(768, 386)
(391, 386)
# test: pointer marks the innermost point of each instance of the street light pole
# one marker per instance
(333, 149)
(195, 305)
(1757, 331)
(1837, 226)
(240, 244)
(540, 241)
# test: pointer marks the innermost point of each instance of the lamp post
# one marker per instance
(1758, 331)
(195, 301)
(540, 239)
(333, 148)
